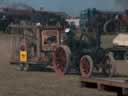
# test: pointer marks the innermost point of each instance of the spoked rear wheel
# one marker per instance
(61, 59)
(86, 66)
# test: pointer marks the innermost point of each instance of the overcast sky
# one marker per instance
(72, 7)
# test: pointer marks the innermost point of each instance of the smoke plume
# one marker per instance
(121, 4)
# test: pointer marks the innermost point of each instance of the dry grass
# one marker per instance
(14, 83)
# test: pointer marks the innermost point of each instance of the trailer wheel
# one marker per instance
(26, 67)
(61, 59)
(20, 67)
(126, 56)
(86, 66)
(109, 67)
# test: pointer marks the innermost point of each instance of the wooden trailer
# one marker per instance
(34, 45)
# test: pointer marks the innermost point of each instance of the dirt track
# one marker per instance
(14, 83)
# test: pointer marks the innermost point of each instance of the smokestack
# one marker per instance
(41, 8)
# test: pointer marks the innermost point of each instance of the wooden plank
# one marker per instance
(109, 81)
(107, 84)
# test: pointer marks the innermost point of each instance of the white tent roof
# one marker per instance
(121, 39)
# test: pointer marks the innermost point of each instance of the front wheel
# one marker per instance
(86, 66)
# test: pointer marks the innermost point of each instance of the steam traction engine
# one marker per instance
(84, 55)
